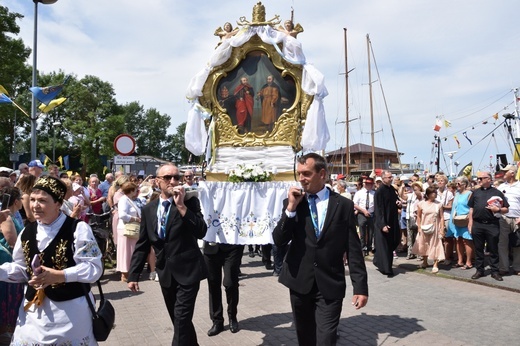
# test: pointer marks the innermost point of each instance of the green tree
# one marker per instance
(93, 120)
(15, 76)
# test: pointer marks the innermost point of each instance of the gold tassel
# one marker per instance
(38, 300)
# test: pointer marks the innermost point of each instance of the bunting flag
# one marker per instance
(438, 125)
(60, 160)
(5, 99)
(46, 161)
(457, 140)
(465, 134)
(66, 162)
(495, 116)
(69, 173)
(3, 90)
(53, 104)
(105, 169)
(447, 123)
(47, 94)
(466, 171)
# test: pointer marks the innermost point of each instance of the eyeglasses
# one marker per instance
(170, 177)
(480, 178)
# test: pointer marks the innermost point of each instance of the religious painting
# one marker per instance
(255, 94)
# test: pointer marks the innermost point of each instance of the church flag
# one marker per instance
(5, 99)
(53, 104)
(47, 94)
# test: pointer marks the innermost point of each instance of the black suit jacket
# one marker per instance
(178, 254)
(320, 260)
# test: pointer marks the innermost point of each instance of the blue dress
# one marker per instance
(460, 206)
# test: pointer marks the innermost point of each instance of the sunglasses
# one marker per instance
(169, 177)
(188, 176)
(480, 178)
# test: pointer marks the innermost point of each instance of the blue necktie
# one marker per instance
(166, 205)
(314, 214)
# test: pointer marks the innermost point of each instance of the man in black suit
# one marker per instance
(227, 258)
(172, 226)
(321, 226)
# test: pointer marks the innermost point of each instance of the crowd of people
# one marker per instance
(455, 223)
(47, 246)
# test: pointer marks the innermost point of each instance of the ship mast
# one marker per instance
(371, 106)
(347, 147)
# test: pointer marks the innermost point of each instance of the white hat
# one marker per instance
(75, 186)
(145, 191)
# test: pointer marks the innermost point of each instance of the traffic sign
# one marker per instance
(124, 144)
(124, 160)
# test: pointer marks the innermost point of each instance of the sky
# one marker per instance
(453, 59)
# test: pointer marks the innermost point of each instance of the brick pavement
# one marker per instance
(410, 309)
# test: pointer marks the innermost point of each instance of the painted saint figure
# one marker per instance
(269, 95)
(244, 105)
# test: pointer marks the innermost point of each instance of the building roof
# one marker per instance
(359, 148)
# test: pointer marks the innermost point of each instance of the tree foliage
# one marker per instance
(86, 124)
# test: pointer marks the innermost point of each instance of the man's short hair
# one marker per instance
(319, 161)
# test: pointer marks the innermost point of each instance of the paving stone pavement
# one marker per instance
(414, 307)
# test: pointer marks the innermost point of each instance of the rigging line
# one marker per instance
(481, 109)
(472, 127)
(485, 150)
(386, 107)
(502, 123)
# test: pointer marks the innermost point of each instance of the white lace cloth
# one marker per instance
(242, 213)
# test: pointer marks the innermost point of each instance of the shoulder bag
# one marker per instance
(102, 319)
(132, 228)
(428, 228)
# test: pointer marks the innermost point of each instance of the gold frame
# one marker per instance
(287, 129)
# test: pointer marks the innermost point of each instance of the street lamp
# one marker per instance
(34, 74)
(55, 124)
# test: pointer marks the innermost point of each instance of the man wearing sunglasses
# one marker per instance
(172, 226)
(189, 179)
(484, 223)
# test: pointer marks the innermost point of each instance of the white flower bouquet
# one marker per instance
(249, 173)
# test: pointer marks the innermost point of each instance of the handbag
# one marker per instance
(131, 230)
(460, 220)
(412, 224)
(514, 238)
(102, 319)
(428, 228)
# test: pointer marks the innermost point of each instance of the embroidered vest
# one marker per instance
(58, 255)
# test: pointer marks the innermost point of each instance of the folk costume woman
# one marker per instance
(58, 257)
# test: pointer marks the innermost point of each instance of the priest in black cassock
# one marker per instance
(387, 232)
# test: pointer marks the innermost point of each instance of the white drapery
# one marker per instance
(314, 138)
(242, 213)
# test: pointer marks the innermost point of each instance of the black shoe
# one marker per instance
(269, 266)
(233, 325)
(477, 275)
(497, 276)
(217, 328)
(251, 254)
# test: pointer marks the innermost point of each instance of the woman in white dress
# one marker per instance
(57, 258)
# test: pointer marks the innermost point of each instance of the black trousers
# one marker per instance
(366, 231)
(180, 302)
(316, 319)
(227, 258)
(483, 234)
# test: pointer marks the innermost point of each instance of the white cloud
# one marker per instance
(434, 57)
